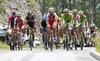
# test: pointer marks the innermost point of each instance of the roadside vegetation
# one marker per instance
(97, 43)
(2, 1)
(3, 45)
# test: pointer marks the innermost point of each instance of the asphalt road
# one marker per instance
(42, 55)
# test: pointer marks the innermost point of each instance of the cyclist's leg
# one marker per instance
(58, 35)
(49, 30)
(43, 34)
(77, 31)
(70, 34)
(33, 34)
(83, 33)
(54, 29)
(27, 27)
(64, 29)
(17, 35)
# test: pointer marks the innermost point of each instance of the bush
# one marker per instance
(97, 43)
(2, 1)
(2, 9)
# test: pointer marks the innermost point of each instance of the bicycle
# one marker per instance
(45, 39)
(81, 36)
(30, 38)
(75, 42)
(18, 43)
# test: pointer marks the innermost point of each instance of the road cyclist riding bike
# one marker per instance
(76, 24)
(20, 22)
(51, 22)
(84, 23)
(67, 24)
(11, 23)
(31, 24)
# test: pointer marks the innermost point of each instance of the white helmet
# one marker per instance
(51, 9)
(18, 14)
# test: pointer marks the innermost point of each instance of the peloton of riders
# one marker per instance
(50, 19)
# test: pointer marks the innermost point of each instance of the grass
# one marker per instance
(3, 45)
(2, 1)
(97, 44)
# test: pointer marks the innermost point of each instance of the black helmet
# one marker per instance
(29, 13)
(14, 13)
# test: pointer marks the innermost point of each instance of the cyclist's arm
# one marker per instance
(86, 21)
(35, 23)
(14, 23)
(72, 19)
(79, 22)
(47, 20)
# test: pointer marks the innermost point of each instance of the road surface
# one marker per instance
(42, 55)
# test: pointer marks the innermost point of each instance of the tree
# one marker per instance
(43, 7)
(93, 9)
(74, 4)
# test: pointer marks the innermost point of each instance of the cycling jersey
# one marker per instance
(67, 19)
(30, 21)
(19, 22)
(51, 18)
(11, 19)
(43, 21)
(83, 19)
(76, 20)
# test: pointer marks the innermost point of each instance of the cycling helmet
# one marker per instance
(29, 13)
(92, 26)
(75, 11)
(66, 10)
(51, 9)
(18, 14)
(14, 13)
(81, 12)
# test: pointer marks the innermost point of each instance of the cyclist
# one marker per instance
(20, 23)
(31, 22)
(77, 23)
(11, 23)
(58, 30)
(96, 33)
(92, 28)
(84, 22)
(67, 21)
(51, 21)
(43, 25)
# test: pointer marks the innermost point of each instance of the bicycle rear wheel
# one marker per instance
(51, 43)
(30, 42)
(67, 44)
(81, 44)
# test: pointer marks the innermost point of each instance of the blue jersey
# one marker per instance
(43, 18)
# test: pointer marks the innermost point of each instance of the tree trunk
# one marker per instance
(74, 4)
(56, 6)
(66, 4)
(70, 5)
(43, 6)
(93, 9)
